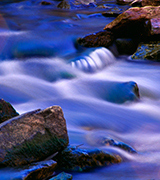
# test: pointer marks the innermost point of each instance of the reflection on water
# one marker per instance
(29, 83)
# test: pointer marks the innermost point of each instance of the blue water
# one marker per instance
(41, 65)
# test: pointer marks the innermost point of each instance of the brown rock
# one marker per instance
(6, 111)
(99, 39)
(32, 136)
(146, 2)
(150, 2)
(135, 22)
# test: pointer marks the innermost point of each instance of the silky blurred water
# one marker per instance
(42, 66)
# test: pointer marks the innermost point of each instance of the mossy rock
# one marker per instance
(148, 51)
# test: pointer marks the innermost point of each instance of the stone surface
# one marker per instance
(62, 176)
(99, 39)
(36, 171)
(32, 136)
(148, 51)
(135, 22)
(75, 159)
(146, 3)
(126, 46)
(6, 111)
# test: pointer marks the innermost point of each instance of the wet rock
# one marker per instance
(75, 159)
(148, 51)
(135, 22)
(155, 26)
(36, 171)
(62, 176)
(32, 136)
(126, 46)
(99, 39)
(6, 111)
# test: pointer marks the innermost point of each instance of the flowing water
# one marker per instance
(41, 65)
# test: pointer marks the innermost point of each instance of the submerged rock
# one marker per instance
(62, 176)
(75, 159)
(32, 136)
(36, 171)
(148, 51)
(6, 111)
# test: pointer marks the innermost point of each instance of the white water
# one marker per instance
(39, 82)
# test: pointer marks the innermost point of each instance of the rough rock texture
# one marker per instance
(146, 2)
(62, 176)
(135, 22)
(37, 171)
(6, 111)
(99, 39)
(32, 137)
(75, 159)
(148, 51)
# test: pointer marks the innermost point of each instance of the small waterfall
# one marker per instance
(93, 60)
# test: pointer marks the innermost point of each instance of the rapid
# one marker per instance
(41, 65)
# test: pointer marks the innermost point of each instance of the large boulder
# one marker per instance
(6, 111)
(32, 136)
(135, 22)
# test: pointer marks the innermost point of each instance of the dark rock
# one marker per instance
(62, 176)
(99, 39)
(126, 46)
(75, 159)
(6, 111)
(32, 136)
(36, 171)
(64, 4)
(146, 3)
(148, 51)
(46, 3)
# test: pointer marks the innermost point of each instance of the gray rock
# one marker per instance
(32, 136)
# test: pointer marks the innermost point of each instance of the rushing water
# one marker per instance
(41, 65)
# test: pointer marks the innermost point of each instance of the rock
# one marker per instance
(32, 136)
(124, 2)
(46, 3)
(148, 51)
(126, 46)
(62, 176)
(64, 5)
(6, 111)
(99, 39)
(36, 171)
(135, 22)
(75, 159)
(76, 4)
(146, 2)
(155, 26)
